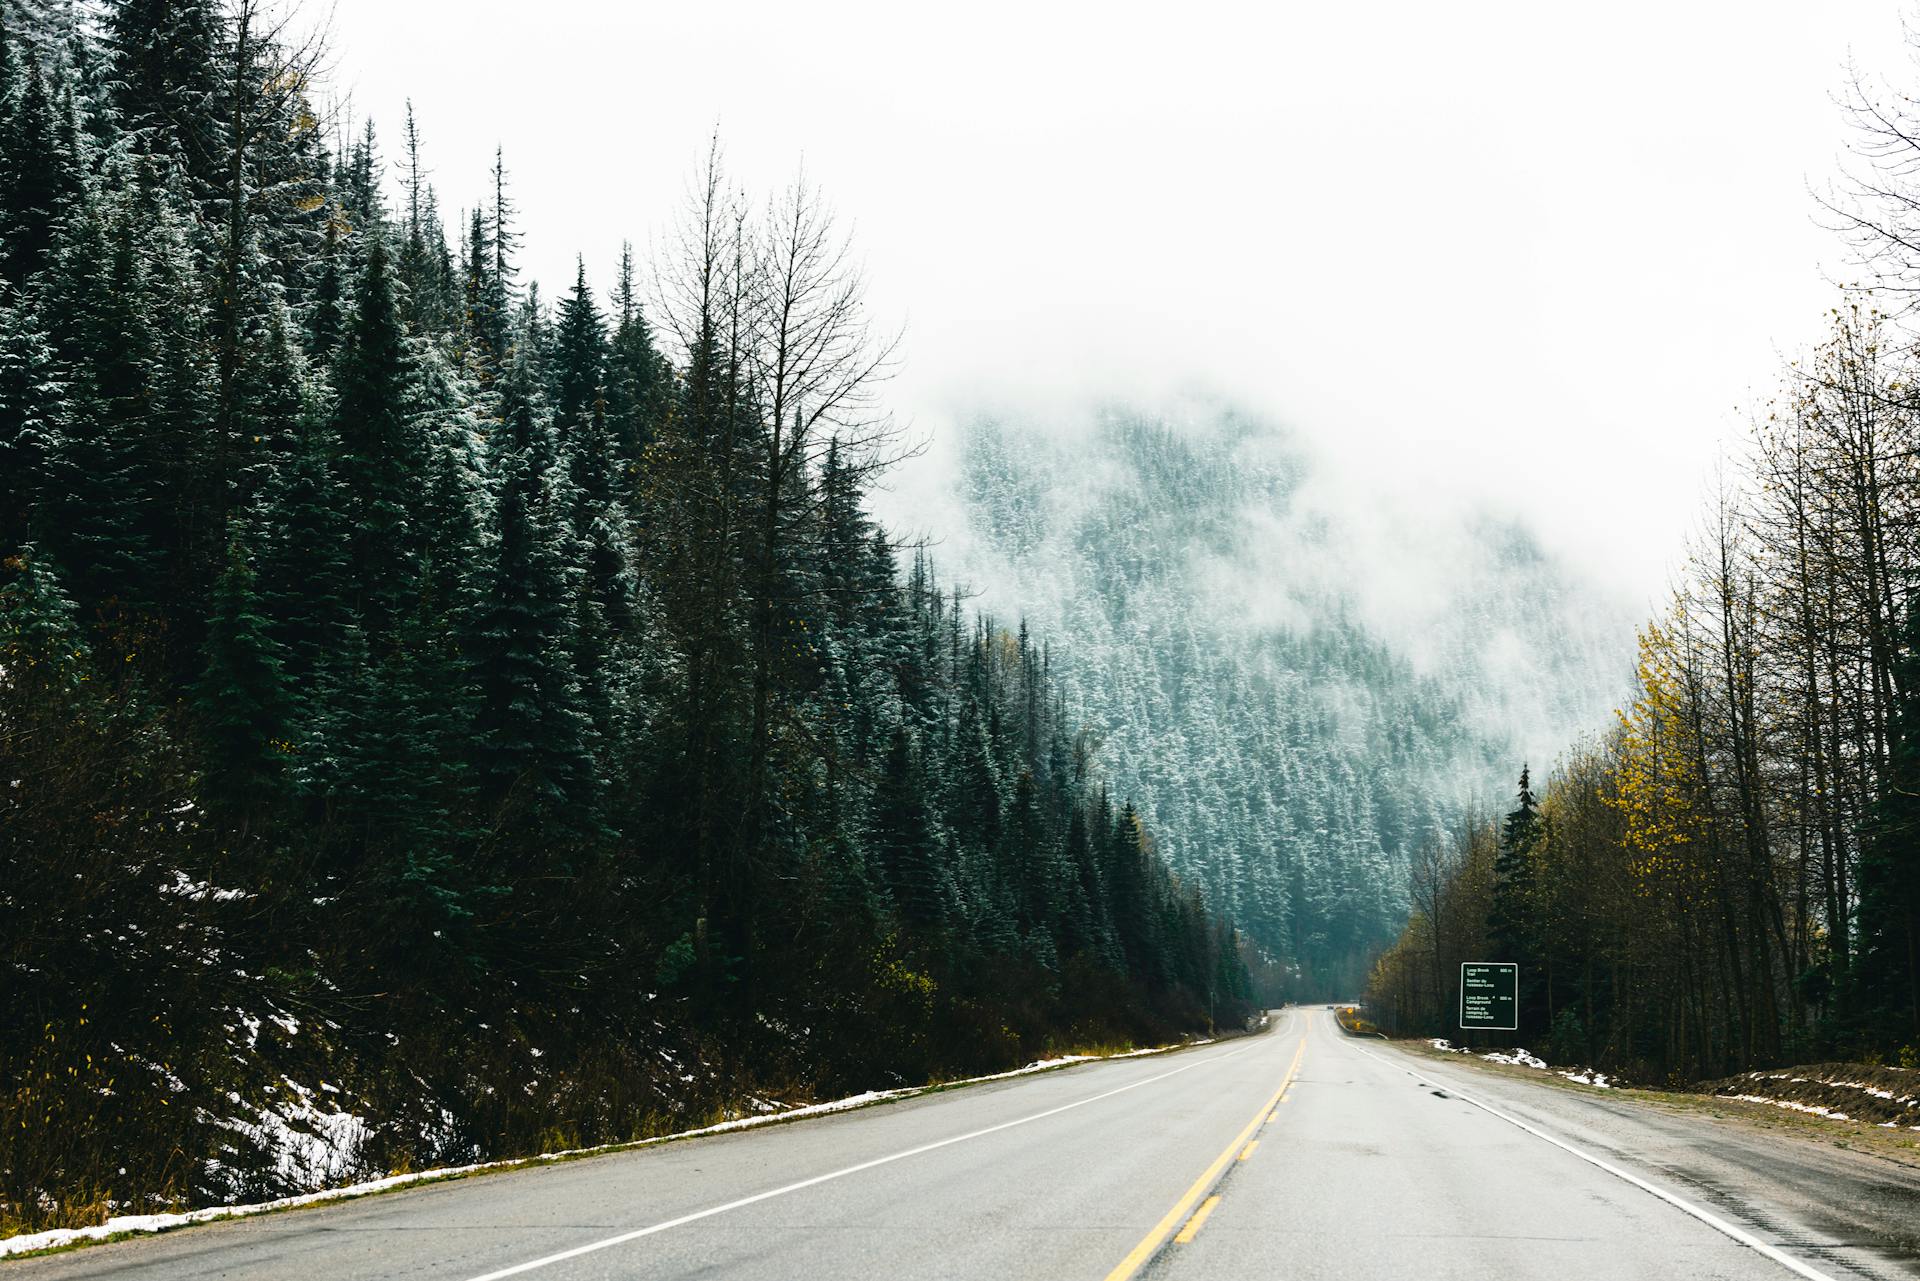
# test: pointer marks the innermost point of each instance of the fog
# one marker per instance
(1532, 257)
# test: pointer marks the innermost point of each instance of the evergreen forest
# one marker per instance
(468, 719)
(1292, 748)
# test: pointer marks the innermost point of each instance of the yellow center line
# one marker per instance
(1138, 1256)
(1247, 1151)
(1199, 1217)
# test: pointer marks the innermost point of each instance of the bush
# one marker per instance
(1567, 1042)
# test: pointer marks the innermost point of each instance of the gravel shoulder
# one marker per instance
(1898, 1147)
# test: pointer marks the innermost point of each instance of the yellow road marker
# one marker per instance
(1199, 1217)
(1138, 1256)
(1273, 1116)
(1247, 1151)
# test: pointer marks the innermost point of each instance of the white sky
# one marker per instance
(1532, 251)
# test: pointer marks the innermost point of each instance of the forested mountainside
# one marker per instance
(438, 724)
(1290, 747)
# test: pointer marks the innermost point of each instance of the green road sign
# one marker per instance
(1490, 995)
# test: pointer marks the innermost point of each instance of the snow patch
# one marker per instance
(1518, 1057)
(196, 891)
(311, 1145)
(1813, 1108)
(1521, 1058)
(1598, 1080)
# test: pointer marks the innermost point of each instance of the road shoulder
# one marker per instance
(1896, 1147)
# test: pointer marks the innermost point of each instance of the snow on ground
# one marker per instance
(1813, 1108)
(348, 1129)
(188, 888)
(1521, 1058)
(1518, 1057)
(1866, 1094)
(312, 1146)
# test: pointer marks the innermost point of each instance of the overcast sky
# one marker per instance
(1537, 252)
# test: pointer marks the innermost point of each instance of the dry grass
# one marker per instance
(1899, 1146)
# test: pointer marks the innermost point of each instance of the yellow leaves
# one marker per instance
(1658, 787)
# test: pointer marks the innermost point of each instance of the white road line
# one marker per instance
(609, 1242)
(1707, 1217)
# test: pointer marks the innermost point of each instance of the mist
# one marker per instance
(1534, 257)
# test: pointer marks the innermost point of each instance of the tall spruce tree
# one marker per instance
(532, 737)
(1512, 921)
(637, 377)
(32, 411)
(579, 358)
(245, 711)
(901, 836)
(164, 63)
(39, 176)
(381, 464)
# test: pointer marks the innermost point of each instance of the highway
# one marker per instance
(1298, 1153)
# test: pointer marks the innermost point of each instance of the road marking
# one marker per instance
(1707, 1217)
(1138, 1256)
(1273, 1116)
(1199, 1218)
(1247, 1151)
(608, 1243)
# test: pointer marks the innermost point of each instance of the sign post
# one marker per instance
(1490, 996)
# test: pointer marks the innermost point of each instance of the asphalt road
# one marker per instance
(1304, 1153)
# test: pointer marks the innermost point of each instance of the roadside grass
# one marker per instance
(1902, 1147)
(793, 1113)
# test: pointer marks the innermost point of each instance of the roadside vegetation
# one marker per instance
(1729, 877)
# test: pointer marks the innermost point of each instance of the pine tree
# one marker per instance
(901, 837)
(381, 464)
(361, 198)
(532, 738)
(303, 576)
(241, 696)
(977, 803)
(486, 309)
(1511, 922)
(165, 74)
(96, 513)
(491, 241)
(32, 414)
(39, 178)
(579, 358)
(324, 314)
(418, 268)
(636, 378)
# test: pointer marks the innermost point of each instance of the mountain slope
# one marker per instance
(1296, 686)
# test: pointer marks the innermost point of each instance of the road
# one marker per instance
(1304, 1154)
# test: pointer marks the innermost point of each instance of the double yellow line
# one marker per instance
(1138, 1256)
